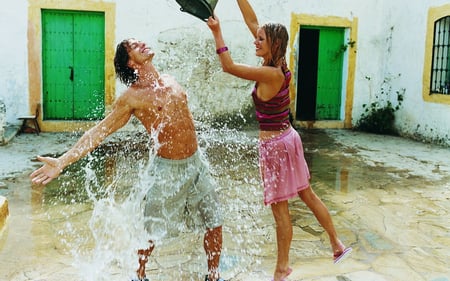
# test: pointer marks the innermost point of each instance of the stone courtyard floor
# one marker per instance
(389, 198)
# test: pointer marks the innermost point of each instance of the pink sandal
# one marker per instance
(339, 257)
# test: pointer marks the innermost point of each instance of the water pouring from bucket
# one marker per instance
(201, 9)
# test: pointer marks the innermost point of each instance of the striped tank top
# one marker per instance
(273, 115)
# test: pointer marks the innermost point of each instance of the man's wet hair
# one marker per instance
(125, 73)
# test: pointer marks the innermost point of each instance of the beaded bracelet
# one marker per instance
(221, 50)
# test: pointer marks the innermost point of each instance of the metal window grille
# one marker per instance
(440, 70)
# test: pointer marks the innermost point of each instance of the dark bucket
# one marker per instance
(201, 9)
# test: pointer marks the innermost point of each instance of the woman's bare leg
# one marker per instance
(283, 223)
(322, 214)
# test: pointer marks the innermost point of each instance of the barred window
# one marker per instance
(440, 70)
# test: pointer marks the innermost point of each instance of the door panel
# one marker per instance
(57, 56)
(89, 65)
(329, 79)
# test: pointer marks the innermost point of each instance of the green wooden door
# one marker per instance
(73, 52)
(329, 74)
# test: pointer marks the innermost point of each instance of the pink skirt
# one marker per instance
(283, 167)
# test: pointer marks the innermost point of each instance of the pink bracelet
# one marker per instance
(221, 50)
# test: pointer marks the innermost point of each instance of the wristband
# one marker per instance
(221, 50)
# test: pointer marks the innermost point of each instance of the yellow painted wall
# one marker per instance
(434, 14)
(35, 55)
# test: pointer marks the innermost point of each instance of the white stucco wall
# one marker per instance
(14, 59)
(424, 120)
(185, 48)
(390, 45)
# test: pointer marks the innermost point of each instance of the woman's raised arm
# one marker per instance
(249, 16)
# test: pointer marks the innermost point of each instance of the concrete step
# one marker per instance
(4, 212)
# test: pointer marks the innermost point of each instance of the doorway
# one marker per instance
(320, 73)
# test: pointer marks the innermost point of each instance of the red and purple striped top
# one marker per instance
(273, 115)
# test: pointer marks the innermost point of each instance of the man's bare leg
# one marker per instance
(213, 247)
(143, 259)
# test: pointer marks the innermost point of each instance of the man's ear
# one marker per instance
(131, 63)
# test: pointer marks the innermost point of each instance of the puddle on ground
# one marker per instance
(85, 226)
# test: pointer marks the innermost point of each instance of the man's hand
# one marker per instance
(45, 174)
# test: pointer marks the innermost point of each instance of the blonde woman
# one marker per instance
(283, 168)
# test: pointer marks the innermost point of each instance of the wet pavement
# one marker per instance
(389, 198)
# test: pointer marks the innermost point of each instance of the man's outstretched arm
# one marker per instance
(92, 138)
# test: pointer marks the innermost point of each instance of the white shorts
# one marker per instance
(182, 197)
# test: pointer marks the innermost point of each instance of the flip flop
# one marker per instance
(289, 271)
(339, 257)
(220, 278)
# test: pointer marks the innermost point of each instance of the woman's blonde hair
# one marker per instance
(278, 38)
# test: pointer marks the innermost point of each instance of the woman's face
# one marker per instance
(262, 44)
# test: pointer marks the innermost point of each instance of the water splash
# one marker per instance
(115, 229)
(106, 191)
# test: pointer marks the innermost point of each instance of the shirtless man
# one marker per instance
(160, 104)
